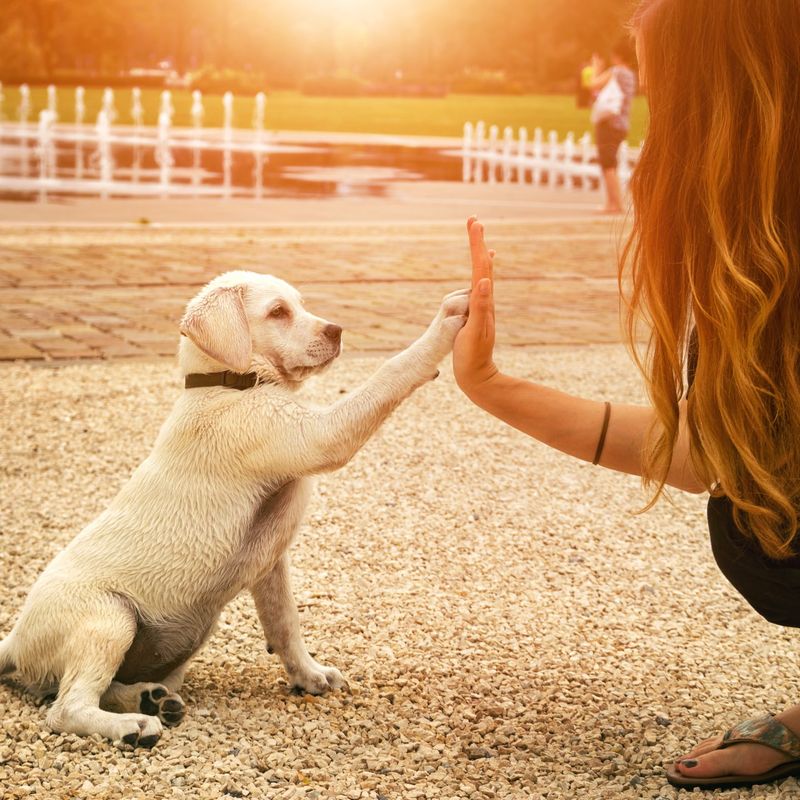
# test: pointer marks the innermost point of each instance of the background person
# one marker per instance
(611, 131)
(713, 267)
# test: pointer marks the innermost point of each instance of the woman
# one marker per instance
(713, 267)
(611, 130)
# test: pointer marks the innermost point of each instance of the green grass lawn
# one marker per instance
(392, 115)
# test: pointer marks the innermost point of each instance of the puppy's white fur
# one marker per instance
(113, 620)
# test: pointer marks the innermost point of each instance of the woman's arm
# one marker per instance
(567, 423)
(601, 80)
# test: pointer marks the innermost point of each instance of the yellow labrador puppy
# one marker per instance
(216, 504)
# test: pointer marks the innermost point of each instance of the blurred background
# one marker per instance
(522, 57)
(508, 46)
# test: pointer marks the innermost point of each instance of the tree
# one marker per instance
(539, 42)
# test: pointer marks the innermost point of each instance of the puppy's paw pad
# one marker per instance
(158, 702)
(148, 741)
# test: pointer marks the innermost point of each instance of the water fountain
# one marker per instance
(137, 115)
(494, 131)
(552, 172)
(227, 138)
(197, 113)
(137, 111)
(52, 103)
(258, 124)
(24, 103)
(46, 151)
(569, 158)
(538, 154)
(480, 133)
(466, 153)
(108, 105)
(508, 140)
(80, 114)
(166, 104)
(103, 154)
(163, 154)
(24, 114)
(522, 151)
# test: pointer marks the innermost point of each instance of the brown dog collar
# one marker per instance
(230, 380)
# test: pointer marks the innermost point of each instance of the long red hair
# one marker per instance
(715, 247)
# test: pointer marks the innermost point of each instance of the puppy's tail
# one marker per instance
(7, 664)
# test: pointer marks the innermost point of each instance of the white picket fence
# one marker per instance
(48, 157)
(568, 164)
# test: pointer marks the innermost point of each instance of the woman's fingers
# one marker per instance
(484, 307)
(472, 353)
(481, 258)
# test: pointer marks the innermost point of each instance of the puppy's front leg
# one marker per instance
(279, 619)
(334, 435)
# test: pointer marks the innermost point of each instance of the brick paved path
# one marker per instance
(84, 293)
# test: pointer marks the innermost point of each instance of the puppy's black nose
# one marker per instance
(333, 332)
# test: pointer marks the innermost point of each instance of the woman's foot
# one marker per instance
(706, 760)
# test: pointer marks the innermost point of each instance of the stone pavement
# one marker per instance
(107, 291)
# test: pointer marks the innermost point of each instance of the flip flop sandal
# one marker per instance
(763, 730)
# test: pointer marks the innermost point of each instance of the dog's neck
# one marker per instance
(192, 359)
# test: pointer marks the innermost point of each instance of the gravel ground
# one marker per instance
(508, 626)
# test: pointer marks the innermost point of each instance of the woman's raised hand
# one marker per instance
(473, 363)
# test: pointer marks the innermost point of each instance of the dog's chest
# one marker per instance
(272, 526)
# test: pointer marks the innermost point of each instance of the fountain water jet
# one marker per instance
(80, 113)
(52, 105)
(103, 154)
(24, 114)
(197, 121)
(163, 154)
(137, 115)
(258, 124)
(46, 151)
(108, 105)
(227, 138)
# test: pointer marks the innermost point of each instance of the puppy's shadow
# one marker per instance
(31, 697)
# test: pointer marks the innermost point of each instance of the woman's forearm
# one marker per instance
(573, 425)
(601, 80)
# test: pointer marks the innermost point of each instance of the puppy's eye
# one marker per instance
(278, 312)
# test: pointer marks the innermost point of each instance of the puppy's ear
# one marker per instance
(217, 323)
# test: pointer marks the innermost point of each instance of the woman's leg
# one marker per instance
(613, 191)
(608, 139)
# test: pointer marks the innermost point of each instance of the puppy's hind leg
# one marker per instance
(279, 619)
(7, 663)
(154, 699)
(99, 644)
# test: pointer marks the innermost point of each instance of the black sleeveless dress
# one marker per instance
(771, 587)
